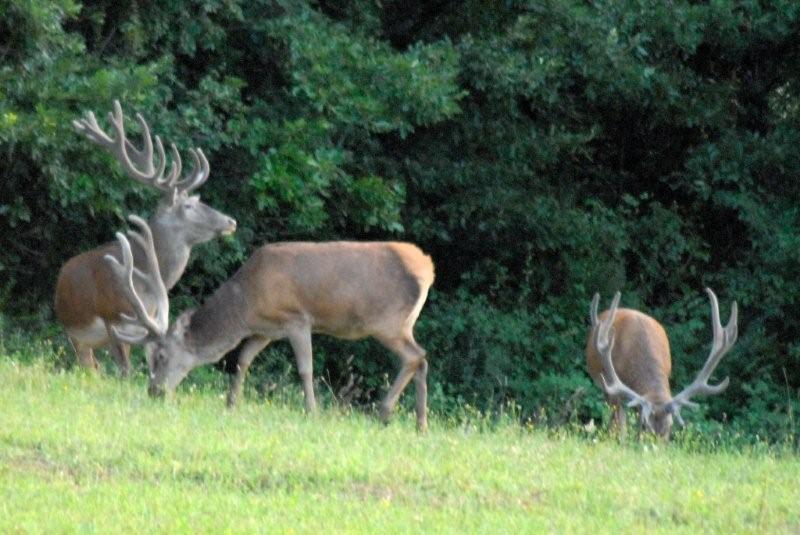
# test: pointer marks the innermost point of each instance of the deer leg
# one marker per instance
(421, 387)
(618, 422)
(251, 348)
(122, 354)
(120, 351)
(414, 365)
(85, 355)
(300, 340)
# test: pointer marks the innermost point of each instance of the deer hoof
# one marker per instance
(385, 414)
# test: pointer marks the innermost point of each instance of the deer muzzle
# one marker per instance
(231, 228)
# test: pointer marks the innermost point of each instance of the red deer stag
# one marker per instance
(628, 356)
(348, 290)
(88, 301)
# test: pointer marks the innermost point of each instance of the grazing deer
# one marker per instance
(348, 290)
(88, 300)
(628, 357)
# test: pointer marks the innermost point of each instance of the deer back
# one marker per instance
(641, 354)
(344, 289)
(86, 289)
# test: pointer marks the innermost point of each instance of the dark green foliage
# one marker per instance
(539, 150)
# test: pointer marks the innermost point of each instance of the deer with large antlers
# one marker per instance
(628, 356)
(349, 290)
(88, 298)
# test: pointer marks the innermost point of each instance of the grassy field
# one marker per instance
(89, 454)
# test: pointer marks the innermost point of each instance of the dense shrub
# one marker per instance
(540, 150)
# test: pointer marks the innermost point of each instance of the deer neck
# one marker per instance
(218, 325)
(172, 250)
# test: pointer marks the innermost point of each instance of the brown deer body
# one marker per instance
(348, 290)
(628, 356)
(88, 299)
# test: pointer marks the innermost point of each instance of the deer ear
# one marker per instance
(183, 321)
(150, 352)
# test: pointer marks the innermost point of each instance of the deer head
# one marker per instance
(656, 411)
(190, 221)
(152, 330)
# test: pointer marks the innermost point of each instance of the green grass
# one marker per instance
(89, 454)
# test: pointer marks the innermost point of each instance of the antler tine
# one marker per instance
(604, 342)
(605, 334)
(143, 156)
(168, 182)
(205, 171)
(145, 241)
(139, 164)
(154, 280)
(124, 272)
(723, 340)
(139, 158)
(91, 129)
(593, 309)
(199, 174)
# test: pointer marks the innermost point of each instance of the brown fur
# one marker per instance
(86, 289)
(88, 301)
(290, 290)
(630, 350)
(345, 289)
(641, 354)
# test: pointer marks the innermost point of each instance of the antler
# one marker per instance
(197, 177)
(604, 342)
(723, 341)
(139, 163)
(137, 329)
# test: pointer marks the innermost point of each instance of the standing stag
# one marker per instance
(348, 290)
(88, 300)
(628, 357)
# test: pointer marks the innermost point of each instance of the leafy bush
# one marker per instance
(540, 150)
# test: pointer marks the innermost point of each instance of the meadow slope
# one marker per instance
(94, 455)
